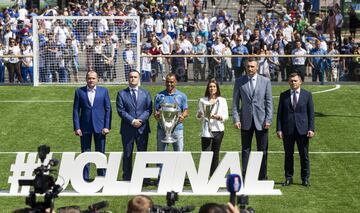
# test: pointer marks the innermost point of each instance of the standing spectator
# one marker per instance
(238, 62)
(217, 50)
(27, 63)
(134, 107)
(204, 5)
(99, 59)
(2, 64)
(69, 59)
(108, 57)
(155, 65)
(92, 117)
(148, 24)
(334, 62)
(12, 64)
(203, 26)
(89, 46)
(298, 63)
(281, 42)
(330, 24)
(274, 64)
(252, 112)
(353, 22)
(145, 66)
(198, 6)
(213, 3)
(173, 96)
(227, 66)
(129, 59)
(219, 114)
(179, 24)
(199, 48)
(338, 25)
(295, 123)
(317, 63)
(51, 48)
(178, 64)
(158, 25)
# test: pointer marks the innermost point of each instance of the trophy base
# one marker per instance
(168, 140)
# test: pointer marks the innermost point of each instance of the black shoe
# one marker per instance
(288, 182)
(306, 183)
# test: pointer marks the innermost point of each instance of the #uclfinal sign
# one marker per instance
(175, 167)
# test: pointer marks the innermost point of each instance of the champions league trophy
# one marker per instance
(169, 117)
(206, 108)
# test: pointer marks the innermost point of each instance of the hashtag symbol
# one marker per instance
(23, 169)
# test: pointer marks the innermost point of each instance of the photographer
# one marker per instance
(140, 204)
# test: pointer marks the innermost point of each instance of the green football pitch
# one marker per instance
(31, 116)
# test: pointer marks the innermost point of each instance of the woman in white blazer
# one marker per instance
(215, 125)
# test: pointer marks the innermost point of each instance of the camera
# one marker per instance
(171, 198)
(93, 208)
(43, 183)
(243, 201)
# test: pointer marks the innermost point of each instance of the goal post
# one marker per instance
(66, 47)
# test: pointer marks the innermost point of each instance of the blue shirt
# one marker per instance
(241, 49)
(177, 97)
(200, 48)
(317, 60)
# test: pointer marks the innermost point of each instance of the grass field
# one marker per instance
(31, 116)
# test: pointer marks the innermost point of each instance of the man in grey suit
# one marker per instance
(252, 112)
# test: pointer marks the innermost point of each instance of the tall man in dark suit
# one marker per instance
(252, 112)
(134, 106)
(92, 117)
(295, 123)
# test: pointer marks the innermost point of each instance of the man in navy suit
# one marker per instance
(252, 112)
(295, 123)
(92, 117)
(134, 106)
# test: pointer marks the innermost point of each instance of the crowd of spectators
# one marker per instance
(179, 27)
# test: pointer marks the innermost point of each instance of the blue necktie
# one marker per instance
(133, 95)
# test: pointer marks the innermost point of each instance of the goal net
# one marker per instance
(66, 47)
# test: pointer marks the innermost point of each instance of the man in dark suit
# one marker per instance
(252, 112)
(92, 117)
(295, 123)
(134, 106)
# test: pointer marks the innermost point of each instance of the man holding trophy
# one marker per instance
(171, 108)
(213, 112)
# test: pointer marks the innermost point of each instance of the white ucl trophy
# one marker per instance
(206, 109)
(169, 117)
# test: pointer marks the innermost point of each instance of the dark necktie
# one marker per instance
(133, 95)
(294, 99)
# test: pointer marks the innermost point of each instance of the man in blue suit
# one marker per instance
(252, 112)
(295, 123)
(134, 106)
(92, 117)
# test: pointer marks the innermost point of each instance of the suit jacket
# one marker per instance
(301, 118)
(128, 110)
(257, 106)
(92, 118)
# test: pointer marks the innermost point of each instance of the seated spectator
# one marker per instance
(140, 204)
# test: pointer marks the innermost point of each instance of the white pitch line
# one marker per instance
(337, 86)
(198, 152)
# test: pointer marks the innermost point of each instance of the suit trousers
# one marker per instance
(86, 147)
(302, 142)
(261, 145)
(213, 144)
(128, 140)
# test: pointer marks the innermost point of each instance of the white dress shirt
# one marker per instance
(91, 94)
